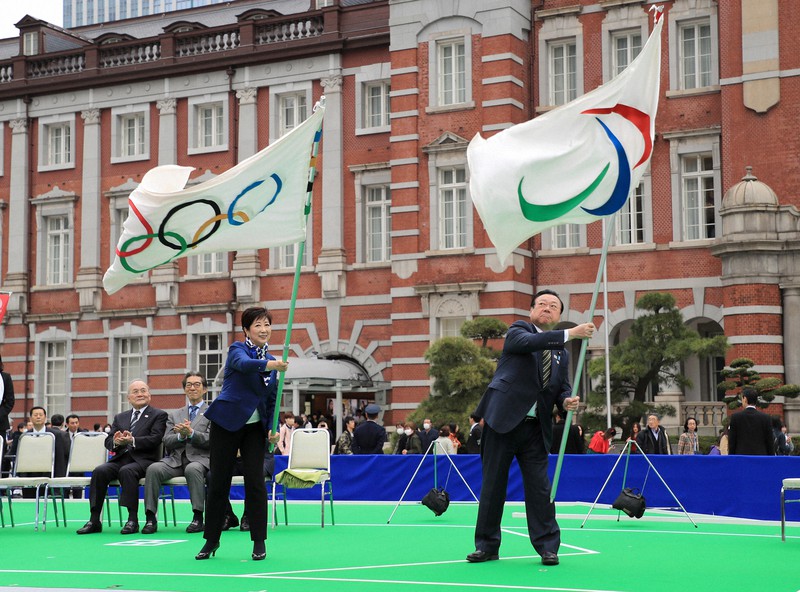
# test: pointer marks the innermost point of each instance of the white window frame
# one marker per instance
(551, 237)
(55, 377)
(694, 189)
(682, 145)
(220, 132)
(365, 77)
(55, 204)
(119, 116)
(436, 42)
(558, 30)
(629, 227)
(117, 389)
(622, 20)
(58, 245)
(371, 175)
(49, 127)
(208, 264)
(449, 326)
(440, 158)
(568, 90)
(631, 50)
(277, 96)
(30, 43)
(44, 339)
(377, 119)
(197, 334)
(690, 13)
(378, 206)
(458, 190)
(702, 68)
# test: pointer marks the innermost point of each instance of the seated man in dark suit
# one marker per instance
(39, 421)
(135, 439)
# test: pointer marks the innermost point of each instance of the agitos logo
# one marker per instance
(622, 186)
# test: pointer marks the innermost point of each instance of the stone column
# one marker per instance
(331, 263)
(791, 352)
(19, 246)
(246, 265)
(90, 278)
(167, 131)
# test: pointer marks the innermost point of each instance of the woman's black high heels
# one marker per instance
(208, 550)
(259, 551)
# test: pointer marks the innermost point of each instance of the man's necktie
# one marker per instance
(192, 412)
(134, 418)
(545, 367)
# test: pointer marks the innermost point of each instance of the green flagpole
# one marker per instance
(312, 173)
(581, 357)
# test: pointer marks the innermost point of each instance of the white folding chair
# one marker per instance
(309, 465)
(35, 455)
(88, 450)
(787, 485)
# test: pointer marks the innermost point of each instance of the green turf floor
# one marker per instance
(362, 553)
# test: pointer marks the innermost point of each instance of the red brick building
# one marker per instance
(396, 255)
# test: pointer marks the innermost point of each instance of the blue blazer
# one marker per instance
(244, 391)
(517, 382)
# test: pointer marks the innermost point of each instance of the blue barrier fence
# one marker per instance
(738, 486)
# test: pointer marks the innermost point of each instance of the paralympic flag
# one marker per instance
(574, 164)
(4, 298)
(258, 203)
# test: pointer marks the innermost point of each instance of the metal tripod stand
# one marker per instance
(627, 452)
(431, 447)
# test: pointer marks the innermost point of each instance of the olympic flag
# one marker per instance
(258, 203)
(574, 164)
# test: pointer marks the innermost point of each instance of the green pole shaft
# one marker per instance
(581, 358)
(312, 173)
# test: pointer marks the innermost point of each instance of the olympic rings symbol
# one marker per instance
(174, 241)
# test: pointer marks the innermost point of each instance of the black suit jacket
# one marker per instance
(474, 440)
(574, 440)
(649, 445)
(7, 404)
(517, 382)
(148, 434)
(751, 433)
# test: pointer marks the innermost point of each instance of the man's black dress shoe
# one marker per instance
(481, 556)
(231, 521)
(208, 550)
(150, 527)
(245, 525)
(549, 558)
(130, 527)
(90, 528)
(195, 526)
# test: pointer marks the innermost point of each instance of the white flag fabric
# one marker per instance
(258, 203)
(574, 164)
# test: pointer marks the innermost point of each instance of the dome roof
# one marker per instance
(749, 192)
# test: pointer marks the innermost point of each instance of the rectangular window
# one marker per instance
(626, 46)
(630, 219)
(210, 126)
(563, 72)
(566, 236)
(697, 173)
(379, 223)
(450, 326)
(695, 58)
(55, 378)
(30, 43)
(452, 72)
(453, 208)
(293, 111)
(376, 104)
(129, 366)
(58, 139)
(79, 13)
(132, 135)
(58, 250)
(210, 359)
(210, 263)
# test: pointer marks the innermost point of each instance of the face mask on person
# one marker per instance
(399, 430)
(107, 430)
(409, 431)
(426, 426)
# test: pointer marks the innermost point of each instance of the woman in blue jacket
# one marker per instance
(240, 418)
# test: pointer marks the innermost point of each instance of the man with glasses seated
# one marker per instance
(186, 446)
